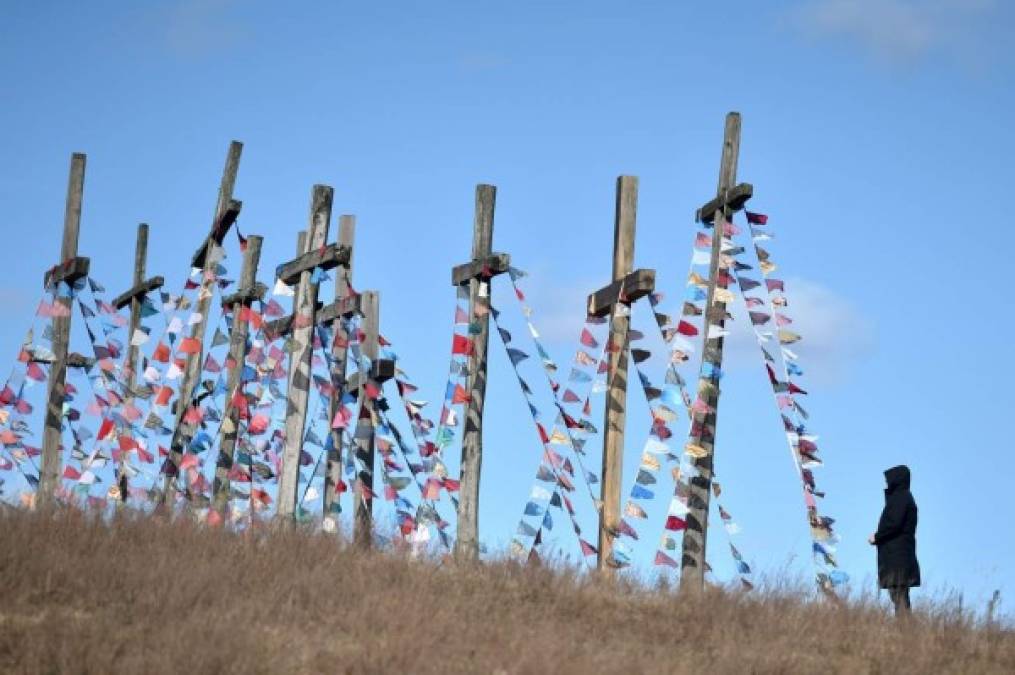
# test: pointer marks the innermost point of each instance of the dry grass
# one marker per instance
(144, 596)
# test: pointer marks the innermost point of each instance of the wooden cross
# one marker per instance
(70, 268)
(627, 286)
(314, 253)
(363, 438)
(477, 273)
(249, 291)
(729, 198)
(206, 258)
(134, 297)
(339, 365)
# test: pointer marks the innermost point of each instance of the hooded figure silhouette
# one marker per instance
(898, 568)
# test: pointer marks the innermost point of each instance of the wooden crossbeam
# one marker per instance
(138, 291)
(70, 270)
(74, 360)
(633, 286)
(284, 325)
(484, 268)
(218, 230)
(734, 200)
(246, 296)
(326, 257)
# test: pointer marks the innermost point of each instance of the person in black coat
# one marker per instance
(898, 569)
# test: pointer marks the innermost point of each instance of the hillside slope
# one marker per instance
(148, 596)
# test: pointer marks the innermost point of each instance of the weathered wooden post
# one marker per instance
(134, 297)
(69, 269)
(477, 274)
(626, 287)
(364, 436)
(249, 291)
(701, 441)
(339, 353)
(300, 271)
(206, 258)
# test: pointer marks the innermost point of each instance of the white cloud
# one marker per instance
(197, 28)
(836, 335)
(899, 31)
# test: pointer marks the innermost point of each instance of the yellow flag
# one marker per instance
(787, 337)
(695, 279)
(649, 461)
(634, 511)
(767, 267)
(695, 450)
(722, 295)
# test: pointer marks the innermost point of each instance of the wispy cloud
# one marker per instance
(196, 28)
(897, 31)
(837, 335)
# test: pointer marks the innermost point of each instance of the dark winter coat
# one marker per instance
(896, 535)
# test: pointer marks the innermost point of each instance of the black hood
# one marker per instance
(897, 477)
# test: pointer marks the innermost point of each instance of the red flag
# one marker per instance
(161, 353)
(432, 489)
(685, 328)
(162, 398)
(106, 429)
(587, 339)
(663, 559)
(190, 345)
(587, 548)
(460, 395)
(756, 218)
(70, 473)
(675, 524)
(461, 345)
(775, 284)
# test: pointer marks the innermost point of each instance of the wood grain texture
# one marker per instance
(207, 259)
(363, 439)
(703, 425)
(625, 219)
(49, 472)
(298, 392)
(632, 287)
(467, 544)
(345, 301)
(229, 428)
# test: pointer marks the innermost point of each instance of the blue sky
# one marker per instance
(876, 135)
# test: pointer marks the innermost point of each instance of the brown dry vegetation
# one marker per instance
(143, 596)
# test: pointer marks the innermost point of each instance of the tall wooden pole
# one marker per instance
(304, 316)
(237, 355)
(364, 438)
(192, 370)
(616, 374)
(52, 434)
(467, 544)
(133, 351)
(703, 425)
(339, 353)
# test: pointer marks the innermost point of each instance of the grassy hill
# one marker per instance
(146, 596)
